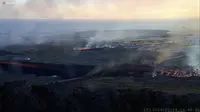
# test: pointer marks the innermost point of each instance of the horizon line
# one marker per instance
(99, 19)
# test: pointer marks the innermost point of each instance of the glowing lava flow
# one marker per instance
(18, 63)
(3, 3)
(177, 72)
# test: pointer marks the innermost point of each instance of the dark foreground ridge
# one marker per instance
(59, 97)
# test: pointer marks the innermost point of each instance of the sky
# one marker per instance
(100, 9)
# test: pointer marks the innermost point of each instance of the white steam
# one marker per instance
(194, 53)
(104, 36)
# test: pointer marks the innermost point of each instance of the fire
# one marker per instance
(82, 49)
(3, 3)
(177, 72)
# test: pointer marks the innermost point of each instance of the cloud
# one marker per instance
(98, 9)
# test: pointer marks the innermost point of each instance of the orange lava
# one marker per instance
(177, 72)
(82, 49)
(3, 3)
(18, 63)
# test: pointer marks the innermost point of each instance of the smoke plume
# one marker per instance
(194, 53)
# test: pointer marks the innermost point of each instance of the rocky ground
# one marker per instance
(140, 94)
(19, 96)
